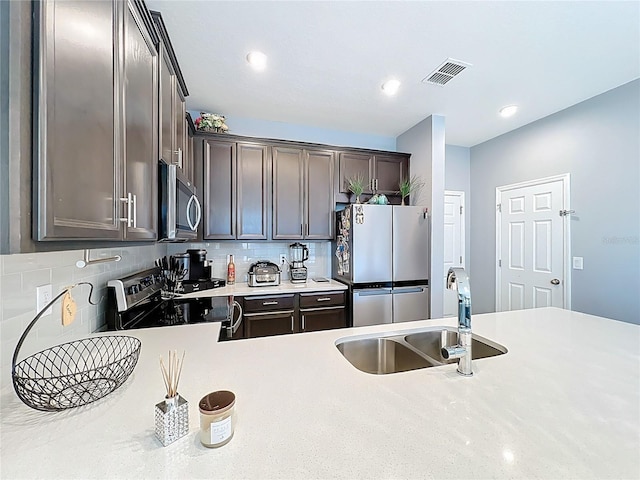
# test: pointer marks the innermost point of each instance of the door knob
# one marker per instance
(555, 281)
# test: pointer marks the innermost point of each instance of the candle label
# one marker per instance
(220, 431)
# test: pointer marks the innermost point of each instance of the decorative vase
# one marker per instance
(402, 202)
(172, 419)
(358, 199)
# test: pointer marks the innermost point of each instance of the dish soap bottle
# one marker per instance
(231, 271)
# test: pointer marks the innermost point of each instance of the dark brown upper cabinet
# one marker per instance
(352, 164)
(382, 172)
(235, 190)
(251, 191)
(141, 128)
(389, 170)
(95, 121)
(302, 194)
(172, 93)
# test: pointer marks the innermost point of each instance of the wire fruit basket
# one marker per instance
(75, 373)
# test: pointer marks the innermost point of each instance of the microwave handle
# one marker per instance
(198, 212)
(194, 225)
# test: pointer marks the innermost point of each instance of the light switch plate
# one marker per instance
(43, 296)
(578, 263)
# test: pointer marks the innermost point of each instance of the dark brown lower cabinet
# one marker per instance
(266, 324)
(266, 315)
(322, 311)
(322, 319)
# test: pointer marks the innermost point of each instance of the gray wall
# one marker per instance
(598, 143)
(457, 176)
(253, 127)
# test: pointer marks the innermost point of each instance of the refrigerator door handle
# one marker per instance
(372, 292)
(408, 290)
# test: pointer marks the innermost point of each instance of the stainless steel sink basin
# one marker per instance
(400, 352)
(381, 355)
(431, 343)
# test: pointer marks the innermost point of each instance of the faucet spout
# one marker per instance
(457, 279)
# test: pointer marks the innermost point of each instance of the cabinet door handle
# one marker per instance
(129, 201)
(323, 299)
(269, 303)
(303, 323)
(135, 211)
(179, 154)
(301, 232)
(292, 330)
(307, 228)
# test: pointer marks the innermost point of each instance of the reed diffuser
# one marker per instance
(172, 414)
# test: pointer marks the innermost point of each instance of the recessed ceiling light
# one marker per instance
(257, 60)
(390, 87)
(508, 110)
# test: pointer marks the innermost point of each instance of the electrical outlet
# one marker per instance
(283, 259)
(43, 296)
(578, 263)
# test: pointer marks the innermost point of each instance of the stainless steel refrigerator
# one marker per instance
(382, 253)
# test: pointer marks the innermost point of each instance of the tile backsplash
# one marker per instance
(20, 274)
(245, 253)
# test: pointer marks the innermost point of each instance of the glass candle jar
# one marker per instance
(217, 414)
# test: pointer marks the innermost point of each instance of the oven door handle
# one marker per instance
(233, 328)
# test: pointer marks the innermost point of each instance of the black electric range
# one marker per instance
(135, 301)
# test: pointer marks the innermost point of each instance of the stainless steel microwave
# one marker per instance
(180, 210)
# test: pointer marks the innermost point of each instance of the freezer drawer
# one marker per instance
(372, 307)
(410, 303)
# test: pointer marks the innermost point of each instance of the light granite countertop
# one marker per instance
(244, 290)
(564, 402)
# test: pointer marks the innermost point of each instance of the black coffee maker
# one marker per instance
(199, 268)
(199, 276)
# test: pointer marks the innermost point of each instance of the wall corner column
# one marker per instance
(426, 143)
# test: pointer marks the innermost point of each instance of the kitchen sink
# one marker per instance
(382, 354)
(431, 343)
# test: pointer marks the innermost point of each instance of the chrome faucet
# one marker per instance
(457, 279)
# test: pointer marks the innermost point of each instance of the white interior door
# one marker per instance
(531, 246)
(454, 245)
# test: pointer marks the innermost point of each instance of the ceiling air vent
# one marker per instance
(445, 72)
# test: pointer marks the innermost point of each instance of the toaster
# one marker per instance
(264, 274)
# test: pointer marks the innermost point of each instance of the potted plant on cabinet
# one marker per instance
(356, 185)
(408, 186)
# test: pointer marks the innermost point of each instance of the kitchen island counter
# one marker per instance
(564, 402)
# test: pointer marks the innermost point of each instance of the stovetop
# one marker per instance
(135, 302)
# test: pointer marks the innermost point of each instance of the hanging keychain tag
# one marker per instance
(68, 309)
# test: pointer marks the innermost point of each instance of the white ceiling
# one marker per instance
(327, 60)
